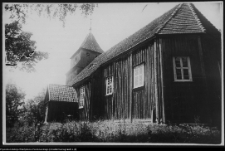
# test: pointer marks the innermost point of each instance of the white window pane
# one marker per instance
(177, 62)
(184, 62)
(182, 69)
(138, 76)
(186, 74)
(108, 81)
(136, 81)
(140, 80)
(109, 85)
(135, 71)
(140, 70)
(178, 72)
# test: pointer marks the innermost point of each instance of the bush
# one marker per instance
(19, 133)
(109, 131)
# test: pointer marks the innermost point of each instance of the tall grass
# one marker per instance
(109, 131)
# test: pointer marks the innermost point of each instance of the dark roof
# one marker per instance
(61, 93)
(183, 18)
(90, 43)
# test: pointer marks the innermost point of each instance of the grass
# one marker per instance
(109, 131)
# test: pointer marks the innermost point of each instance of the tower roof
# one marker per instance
(182, 19)
(91, 44)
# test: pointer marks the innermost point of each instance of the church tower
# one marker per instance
(88, 50)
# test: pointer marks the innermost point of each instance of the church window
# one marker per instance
(109, 85)
(182, 69)
(81, 100)
(139, 76)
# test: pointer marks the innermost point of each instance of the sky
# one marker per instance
(111, 23)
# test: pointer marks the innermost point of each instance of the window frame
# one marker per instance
(112, 85)
(182, 69)
(82, 94)
(143, 76)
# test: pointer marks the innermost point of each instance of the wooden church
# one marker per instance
(168, 71)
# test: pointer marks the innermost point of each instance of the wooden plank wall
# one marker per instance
(97, 107)
(84, 113)
(183, 100)
(58, 110)
(126, 101)
(211, 48)
(113, 108)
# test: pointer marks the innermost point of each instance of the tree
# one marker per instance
(35, 113)
(35, 109)
(60, 11)
(14, 100)
(20, 48)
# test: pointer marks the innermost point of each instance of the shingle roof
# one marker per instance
(61, 93)
(182, 18)
(90, 43)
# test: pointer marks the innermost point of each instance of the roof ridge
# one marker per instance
(174, 12)
(196, 17)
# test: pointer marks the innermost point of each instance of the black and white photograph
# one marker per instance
(148, 73)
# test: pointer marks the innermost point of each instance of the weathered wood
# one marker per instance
(151, 55)
(181, 99)
(155, 83)
(127, 102)
(162, 79)
(131, 87)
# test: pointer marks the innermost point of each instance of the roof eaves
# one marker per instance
(182, 33)
(164, 24)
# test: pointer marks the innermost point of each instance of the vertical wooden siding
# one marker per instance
(96, 98)
(126, 101)
(58, 110)
(84, 113)
(183, 100)
(211, 48)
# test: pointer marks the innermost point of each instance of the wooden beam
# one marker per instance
(201, 57)
(155, 83)
(203, 71)
(131, 87)
(162, 81)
